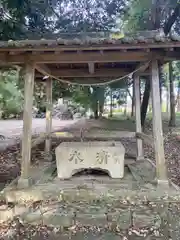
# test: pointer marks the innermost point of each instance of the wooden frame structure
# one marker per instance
(91, 61)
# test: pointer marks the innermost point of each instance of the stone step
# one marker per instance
(142, 218)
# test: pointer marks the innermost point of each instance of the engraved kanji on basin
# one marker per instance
(75, 157)
(102, 157)
(72, 157)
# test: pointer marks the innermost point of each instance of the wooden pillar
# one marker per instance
(24, 180)
(48, 116)
(157, 126)
(138, 116)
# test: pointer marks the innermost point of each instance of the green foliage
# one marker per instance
(147, 15)
(120, 102)
(82, 96)
(122, 84)
(138, 15)
(11, 98)
(176, 73)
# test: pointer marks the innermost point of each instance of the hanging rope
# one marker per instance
(95, 84)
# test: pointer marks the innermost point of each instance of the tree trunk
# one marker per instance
(178, 98)
(96, 116)
(133, 100)
(101, 101)
(125, 105)
(171, 20)
(172, 121)
(145, 102)
(101, 109)
(111, 105)
(160, 81)
(167, 101)
(95, 102)
(167, 96)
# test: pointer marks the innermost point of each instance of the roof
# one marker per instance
(94, 39)
(92, 56)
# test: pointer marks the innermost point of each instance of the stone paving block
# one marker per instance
(92, 209)
(21, 196)
(20, 210)
(58, 219)
(174, 221)
(86, 219)
(133, 237)
(146, 218)
(6, 214)
(94, 214)
(33, 217)
(121, 217)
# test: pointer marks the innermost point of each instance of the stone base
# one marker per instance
(24, 182)
(72, 157)
(163, 184)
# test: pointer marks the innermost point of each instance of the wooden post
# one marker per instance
(138, 116)
(157, 126)
(24, 180)
(48, 116)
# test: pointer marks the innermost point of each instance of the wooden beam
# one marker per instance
(27, 125)
(82, 57)
(43, 69)
(157, 126)
(146, 138)
(48, 117)
(91, 68)
(138, 116)
(83, 73)
(142, 67)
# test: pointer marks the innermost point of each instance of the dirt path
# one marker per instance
(13, 128)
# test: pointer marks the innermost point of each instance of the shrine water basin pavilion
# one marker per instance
(92, 61)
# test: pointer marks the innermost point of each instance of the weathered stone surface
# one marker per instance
(23, 195)
(33, 217)
(20, 209)
(72, 157)
(121, 217)
(146, 218)
(94, 215)
(91, 236)
(24, 183)
(92, 219)
(58, 219)
(143, 171)
(6, 214)
(174, 221)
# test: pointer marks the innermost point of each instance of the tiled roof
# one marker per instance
(93, 39)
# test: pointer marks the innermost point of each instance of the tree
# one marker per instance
(176, 74)
(172, 121)
(148, 15)
(11, 98)
(174, 16)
